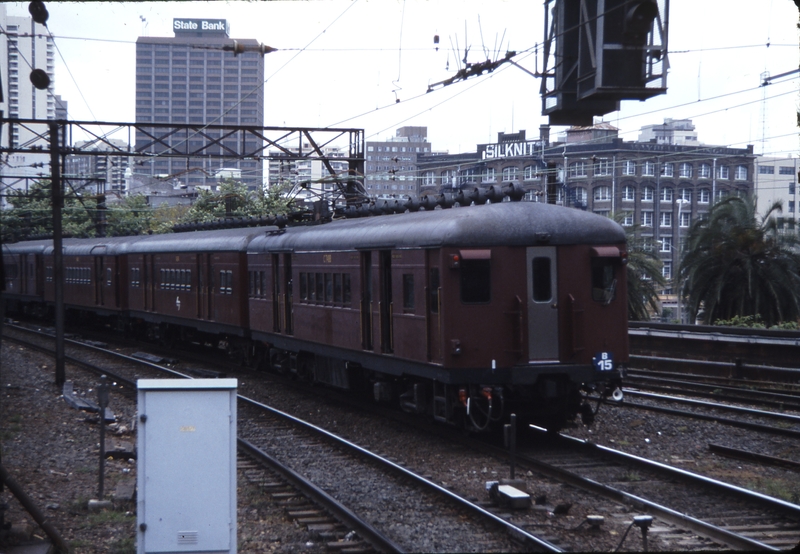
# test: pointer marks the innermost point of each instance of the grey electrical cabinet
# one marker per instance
(186, 472)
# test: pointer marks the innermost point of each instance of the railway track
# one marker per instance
(719, 512)
(393, 483)
(671, 528)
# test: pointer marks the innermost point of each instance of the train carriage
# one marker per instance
(467, 314)
(185, 284)
(24, 276)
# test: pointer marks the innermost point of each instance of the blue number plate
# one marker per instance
(603, 361)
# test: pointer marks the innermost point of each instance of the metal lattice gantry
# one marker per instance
(149, 140)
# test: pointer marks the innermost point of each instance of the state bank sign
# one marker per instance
(200, 26)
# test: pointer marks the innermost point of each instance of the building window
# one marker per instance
(602, 167)
(723, 172)
(490, 176)
(602, 193)
(509, 174)
(666, 194)
(577, 169)
(686, 171)
(667, 170)
(530, 173)
(791, 188)
(649, 169)
(468, 176)
(685, 195)
(704, 171)
(703, 196)
(580, 196)
(686, 219)
(647, 218)
(766, 170)
(741, 173)
(666, 244)
(666, 270)
(647, 194)
(785, 170)
(627, 219)
(791, 206)
(722, 195)
(666, 219)
(629, 193)
(629, 167)
(428, 179)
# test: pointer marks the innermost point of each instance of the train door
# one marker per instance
(23, 274)
(209, 287)
(201, 282)
(276, 293)
(366, 300)
(287, 292)
(542, 305)
(99, 281)
(385, 269)
(434, 307)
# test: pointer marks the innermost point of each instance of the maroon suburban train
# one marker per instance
(467, 314)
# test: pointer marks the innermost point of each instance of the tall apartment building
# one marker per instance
(189, 79)
(391, 165)
(24, 46)
(98, 174)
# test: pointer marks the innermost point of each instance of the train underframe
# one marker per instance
(552, 401)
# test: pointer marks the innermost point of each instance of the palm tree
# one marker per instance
(736, 263)
(644, 275)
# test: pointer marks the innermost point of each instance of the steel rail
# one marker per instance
(782, 506)
(703, 404)
(366, 531)
(684, 521)
(533, 541)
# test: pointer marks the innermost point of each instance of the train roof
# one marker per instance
(221, 240)
(500, 224)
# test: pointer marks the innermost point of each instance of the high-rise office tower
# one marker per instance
(24, 46)
(190, 79)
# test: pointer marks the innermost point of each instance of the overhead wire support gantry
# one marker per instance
(148, 140)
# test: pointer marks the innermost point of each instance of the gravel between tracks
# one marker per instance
(51, 450)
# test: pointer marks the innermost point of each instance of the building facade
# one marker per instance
(391, 165)
(307, 179)
(99, 173)
(776, 180)
(24, 46)
(190, 79)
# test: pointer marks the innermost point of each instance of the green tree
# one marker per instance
(131, 216)
(31, 213)
(233, 199)
(736, 263)
(643, 274)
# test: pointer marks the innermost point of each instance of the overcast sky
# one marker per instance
(344, 63)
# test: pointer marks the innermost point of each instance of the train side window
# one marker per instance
(541, 274)
(346, 289)
(12, 271)
(303, 286)
(475, 281)
(251, 284)
(108, 276)
(328, 288)
(320, 288)
(162, 283)
(408, 292)
(262, 278)
(434, 292)
(604, 285)
(337, 288)
(312, 288)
